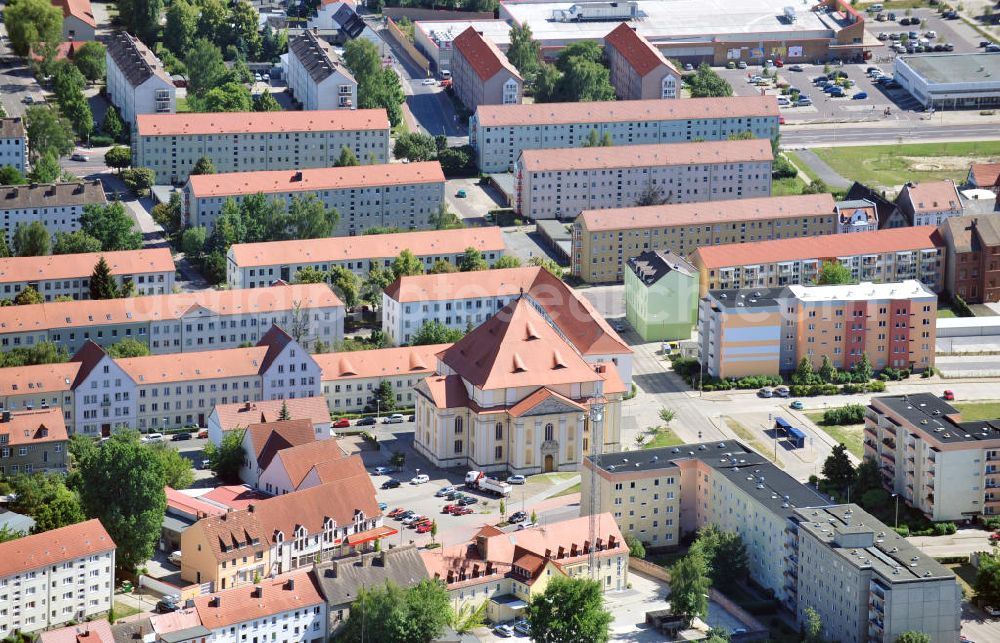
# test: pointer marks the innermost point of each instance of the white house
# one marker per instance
(14, 144)
(79, 23)
(240, 415)
(308, 465)
(317, 77)
(929, 203)
(261, 442)
(138, 83)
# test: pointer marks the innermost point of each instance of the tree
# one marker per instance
(10, 175)
(524, 52)
(113, 125)
(168, 215)
(102, 284)
(383, 397)
(28, 296)
(826, 370)
(309, 218)
(377, 280)
(112, 226)
(203, 166)
(548, 264)
(32, 22)
(472, 260)
(445, 219)
(834, 272)
(193, 241)
(347, 158)
(41, 353)
(8, 534)
(118, 157)
(507, 261)
(181, 26)
(442, 266)
(653, 195)
(804, 373)
(689, 585)
(706, 83)
(128, 347)
(635, 547)
(434, 529)
(377, 86)
(816, 187)
(570, 609)
(457, 161)
(122, 485)
(913, 637)
(206, 58)
(45, 497)
(813, 627)
(390, 613)
(838, 470)
(228, 97)
(596, 140)
(4, 249)
(141, 17)
(406, 264)
(310, 275)
(415, 146)
(138, 179)
(265, 102)
(245, 26)
(177, 470)
(862, 369)
(667, 415)
(226, 459)
(213, 21)
(434, 332)
(46, 169)
(90, 60)
(31, 239)
(274, 43)
(48, 131)
(987, 585)
(284, 414)
(345, 284)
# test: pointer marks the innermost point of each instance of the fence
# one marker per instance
(400, 39)
(165, 588)
(417, 13)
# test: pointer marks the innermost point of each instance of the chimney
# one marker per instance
(611, 542)
(548, 553)
(562, 552)
(586, 546)
(297, 176)
(246, 406)
(258, 592)
(189, 603)
(217, 601)
(250, 508)
(600, 544)
(290, 585)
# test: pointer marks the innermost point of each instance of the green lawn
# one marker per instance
(567, 491)
(758, 445)
(802, 165)
(966, 575)
(943, 313)
(851, 435)
(182, 105)
(893, 165)
(972, 411)
(664, 438)
(123, 610)
(786, 187)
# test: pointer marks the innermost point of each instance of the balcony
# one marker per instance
(889, 459)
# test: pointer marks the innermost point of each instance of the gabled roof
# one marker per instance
(136, 62)
(235, 496)
(98, 631)
(317, 56)
(243, 414)
(985, 174)
(482, 55)
(640, 54)
(544, 398)
(653, 155)
(34, 427)
(39, 378)
(934, 196)
(328, 120)
(269, 438)
(193, 505)
(298, 460)
(54, 546)
(51, 195)
(79, 9)
(973, 233)
(12, 127)
(295, 591)
(340, 580)
(190, 367)
(382, 362)
(76, 266)
(652, 265)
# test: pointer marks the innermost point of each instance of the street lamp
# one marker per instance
(896, 496)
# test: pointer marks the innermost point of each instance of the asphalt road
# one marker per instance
(793, 137)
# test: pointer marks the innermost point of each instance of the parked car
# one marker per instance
(503, 630)
(79, 157)
(467, 500)
(516, 479)
(444, 491)
(950, 15)
(395, 512)
(992, 611)
(406, 514)
(804, 101)
(454, 495)
(992, 48)
(382, 471)
(781, 391)
(837, 92)
(447, 509)
(175, 557)
(767, 391)
(860, 96)
(391, 483)
(778, 62)
(462, 511)
(152, 437)
(949, 395)
(883, 36)
(522, 627)
(796, 68)
(688, 67)
(424, 528)
(382, 506)
(930, 34)
(420, 522)
(428, 81)
(409, 520)
(395, 418)
(741, 65)
(368, 421)
(180, 437)
(525, 525)
(797, 405)
(27, 100)
(420, 479)
(517, 516)
(203, 434)
(342, 423)
(166, 605)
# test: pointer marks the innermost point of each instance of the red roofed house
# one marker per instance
(927, 203)
(507, 569)
(524, 391)
(89, 632)
(638, 70)
(240, 415)
(52, 578)
(985, 176)
(481, 73)
(78, 19)
(308, 465)
(32, 441)
(262, 441)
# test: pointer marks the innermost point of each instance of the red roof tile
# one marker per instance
(190, 504)
(79, 9)
(986, 174)
(267, 439)
(261, 122)
(482, 55)
(934, 196)
(89, 632)
(243, 414)
(237, 496)
(642, 56)
(656, 155)
(282, 594)
(35, 427)
(54, 546)
(383, 362)
(75, 266)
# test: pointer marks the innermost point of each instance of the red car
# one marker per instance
(342, 423)
(202, 434)
(420, 523)
(447, 509)
(461, 511)
(949, 395)
(423, 528)
(395, 512)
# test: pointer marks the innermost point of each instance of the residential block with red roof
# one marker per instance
(32, 441)
(317, 75)
(524, 389)
(481, 73)
(171, 144)
(58, 576)
(507, 569)
(78, 19)
(927, 203)
(137, 81)
(401, 195)
(639, 71)
(262, 441)
(307, 465)
(562, 183)
(985, 176)
(230, 416)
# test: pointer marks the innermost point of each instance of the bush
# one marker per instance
(944, 528)
(992, 523)
(502, 217)
(875, 386)
(903, 531)
(783, 168)
(850, 414)
(101, 140)
(960, 307)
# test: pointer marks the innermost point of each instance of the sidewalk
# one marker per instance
(826, 173)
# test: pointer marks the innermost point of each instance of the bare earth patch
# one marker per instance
(945, 163)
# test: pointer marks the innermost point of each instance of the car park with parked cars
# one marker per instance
(382, 471)
(391, 483)
(444, 491)
(420, 479)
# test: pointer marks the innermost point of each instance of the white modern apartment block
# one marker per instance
(402, 195)
(258, 265)
(178, 323)
(14, 144)
(499, 133)
(171, 144)
(138, 83)
(62, 575)
(317, 76)
(151, 272)
(560, 184)
(57, 205)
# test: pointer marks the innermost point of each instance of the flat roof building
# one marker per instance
(499, 133)
(137, 81)
(639, 70)
(562, 183)
(317, 76)
(603, 240)
(58, 206)
(951, 81)
(256, 265)
(401, 195)
(171, 144)
(14, 144)
(889, 255)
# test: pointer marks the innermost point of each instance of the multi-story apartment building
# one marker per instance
(856, 215)
(138, 83)
(257, 265)
(171, 144)
(560, 184)
(57, 205)
(481, 73)
(283, 534)
(99, 394)
(351, 379)
(852, 569)
(52, 578)
(401, 195)
(973, 261)
(178, 323)
(603, 240)
(14, 144)
(523, 391)
(499, 133)
(466, 300)
(79, 23)
(661, 296)
(506, 572)
(768, 331)
(893, 254)
(639, 71)
(290, 609)
(32, 441)
(150, 271)
(946, 467)
(232, 416)
(928, 203)
(317, 77)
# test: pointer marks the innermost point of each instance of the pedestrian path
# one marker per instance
(826, 173)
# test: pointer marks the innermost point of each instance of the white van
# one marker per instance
(445, 74)
(874, 8)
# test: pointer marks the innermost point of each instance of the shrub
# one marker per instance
(992, 523)
(944, 528)
(850, 414)
(903, 531)
(875, 386)
(101, 140)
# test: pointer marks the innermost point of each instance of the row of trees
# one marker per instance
(416, 146)
(804, 374)
(378, 85)
(103, 228)
(231, 27)
(717, 558)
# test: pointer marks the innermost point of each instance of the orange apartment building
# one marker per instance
(768, 331)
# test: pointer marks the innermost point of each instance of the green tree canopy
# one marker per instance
(524, 52)
(434, 332)
(309, 218)
(112, 226)
(406, 264)
(377, 86)
(571, 609)
(245, 30)
(193, 241)
(118, 157)
(48, 131)
(113, 125)
(128, 347)
(206, 58)
(138, 179)
(102, 284)
(377, 280)
(346, 285)
(383, 397)
(181, 26)
(834, 272)
(226, 459)
(266, 102)
(913, 637)
(689, 584)
(32, 22)
(548, 264)
(347, 158)
(46, 169)
(707, 83)
(415, 146)
(445, 219)
(44, 497)
(203, 166)
(838, 470)
(228, 97)
(177, 470)
(442, 266)
(472, 260)
(40, 353)
(31, 239)
(507, 261)
(28, 296)
(390, 613)
(10, 175)
(813, 627)
(724, 554)
(141, 17)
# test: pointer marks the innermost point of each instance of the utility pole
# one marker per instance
(596, 411)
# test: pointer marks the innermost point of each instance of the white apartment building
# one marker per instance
(258, 265)
(290, 609)
(151, 272)
(61, 575)
(14, 144)
(171, 144)
(138, 83)
(499, 133)
(178, 323)
(79, 23)
(317, 77)
(57, 205)
(929, 203)
(402, 195)
(560, 184)
(461, 300)
(350, 379)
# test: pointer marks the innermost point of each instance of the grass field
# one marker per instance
(567, 491)
(802, 165)
(966, 575)
(787, 187)
(893, 165)
(972, 411)
(755, 442)
(664, 438)
(850, 435)
(123, 610)
(943, 313)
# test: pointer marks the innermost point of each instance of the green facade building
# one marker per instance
(661, 296)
